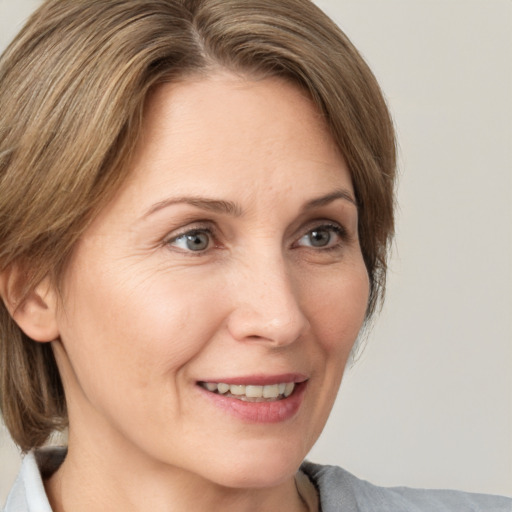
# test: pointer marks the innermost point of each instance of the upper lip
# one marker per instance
(260, 380)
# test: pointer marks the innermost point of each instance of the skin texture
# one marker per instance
(142, 318)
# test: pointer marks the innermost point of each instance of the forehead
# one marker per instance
(235, 120)
(233, 138)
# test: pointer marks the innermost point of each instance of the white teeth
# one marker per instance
(223, 388)
(254, 391)
(271, 391)
(235, 389)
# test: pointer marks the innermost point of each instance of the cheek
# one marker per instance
(134, 327)
(337, 308)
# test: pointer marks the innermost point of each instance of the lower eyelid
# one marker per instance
(334, 229)
(169, 241)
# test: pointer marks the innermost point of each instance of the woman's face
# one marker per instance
(229, 260)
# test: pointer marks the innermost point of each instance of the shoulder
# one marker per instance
(27, 493)
(340, 490)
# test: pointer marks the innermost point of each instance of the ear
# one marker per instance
(36, 314)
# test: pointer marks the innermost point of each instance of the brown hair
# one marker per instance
(72, 89)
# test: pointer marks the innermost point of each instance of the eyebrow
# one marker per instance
(329, 198)
(235, 210)
(212, 205)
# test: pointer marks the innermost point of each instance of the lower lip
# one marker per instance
(259, 412)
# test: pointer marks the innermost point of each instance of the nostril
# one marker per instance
(276, 327)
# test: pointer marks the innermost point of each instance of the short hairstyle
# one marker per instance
(73, 85)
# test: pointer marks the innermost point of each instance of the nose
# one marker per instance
(267, 306)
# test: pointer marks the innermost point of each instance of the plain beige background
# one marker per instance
(429, 404)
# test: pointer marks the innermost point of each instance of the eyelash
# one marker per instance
(338, 230)
(212, 235)
(332, 228)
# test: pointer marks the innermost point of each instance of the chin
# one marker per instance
(257, 468)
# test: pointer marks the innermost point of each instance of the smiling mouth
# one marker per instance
(251, 393)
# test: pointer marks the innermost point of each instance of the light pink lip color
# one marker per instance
(260, 412)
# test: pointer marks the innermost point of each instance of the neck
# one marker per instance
(136, 485)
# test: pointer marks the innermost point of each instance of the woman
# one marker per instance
(196, 207)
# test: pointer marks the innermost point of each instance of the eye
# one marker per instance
(322, 237)
(196, 240)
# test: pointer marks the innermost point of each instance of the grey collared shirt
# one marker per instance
(339, 491)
